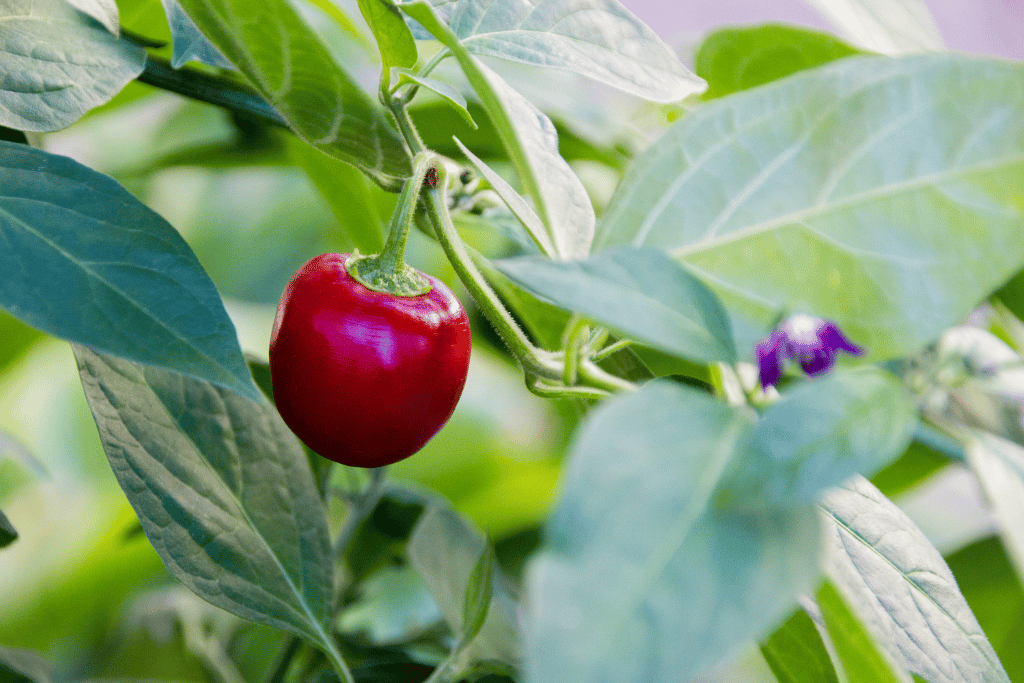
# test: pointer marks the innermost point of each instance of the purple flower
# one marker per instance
(812, 342)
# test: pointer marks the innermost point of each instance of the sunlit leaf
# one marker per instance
(103, 11)
(394, 40)
(861, 659)
(796, 654)
(871, 191)
(887, 26)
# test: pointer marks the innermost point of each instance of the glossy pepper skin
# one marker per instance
(365, 378)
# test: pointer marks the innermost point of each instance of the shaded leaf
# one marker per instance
(86, 261)
(479, 591)
(796, 654)
(860, 658)
(900, 587)
(854, 192)
(293, 70)
(640, 578)
(999, 466)
(8, 534)
(444, 549)
(450, 95)
(531, 141)
(638, 293)
(23, 666)
(734, 59)
(222, 489)
(188, 43)
(58, 65)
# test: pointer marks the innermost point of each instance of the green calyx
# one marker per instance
(372, 274)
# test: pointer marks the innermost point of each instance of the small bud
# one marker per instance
(812, 342)
(431, 177)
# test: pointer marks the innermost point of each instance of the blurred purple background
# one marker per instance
(989, 27)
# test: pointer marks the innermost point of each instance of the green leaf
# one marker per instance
(447, 93)
(103, 11)
(479, 591)
(445, 549)
(8, 534)
(641, 577)
(999, 466)
(222, 489)
(58, 65)
(187, 42)
(860, 658)
(826, 193)
(600, 39)
(531, 141)
(887, 26)
(639, 293)
(86, 261)
(796, 654)
(293, 70)
(394, 40)
(918, 463)
(22, 666)
(734, 59)
(823, 431)
(899, 585)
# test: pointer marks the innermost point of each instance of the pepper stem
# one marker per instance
(387, 272)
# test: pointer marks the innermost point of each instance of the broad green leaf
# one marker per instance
(599, 39)
(891, 27)
(734, 59)
(854, 192)
(641, 577)
(900, 587)
(8, 534)
(796, 654)
(187, 42)
(993, 589)
(639, 293)
(86, 261)
(999, 466)
(823, 431)
(918, 463)
(58, 65)
(222, 489)
(479, 592)
(531, 141)
(23, 666)
(450, 95)
(293, 70)
(860, 659)
(444, 549)
(394, 40)
(103, 11)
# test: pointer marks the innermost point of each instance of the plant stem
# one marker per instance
(392, 256)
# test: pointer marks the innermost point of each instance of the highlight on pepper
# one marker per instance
(810, 341)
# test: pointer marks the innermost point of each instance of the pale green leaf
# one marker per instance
(293, 70)
(23, 666)
(860, 658)
(641, 576)
(891, 27)
(86, 261)
(58, 65)
(902, 589)
(871, 191)
(599, 39)
(447, 92)
(103, 11)
(999, 467)
(222, 489)
(187, 42)
(531, 141)
(638, 293)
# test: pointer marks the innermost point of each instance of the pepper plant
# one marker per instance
(758, 301)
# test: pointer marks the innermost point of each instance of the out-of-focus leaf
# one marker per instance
(479, 592)
(444, 549)
(641, 577)
(639, 293)
(900, 587)
(531, 141)
(8, 534)
(293, 70)
(852, 192)
(999, 466)
(58, 65)
(222, 489)
(891, 27)
(822, 432)
(600, 39)
(919, 462)
(188, 42)
(734, 59)
(796, 654)
(859, 656)
(23, 666)
(86, 261)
